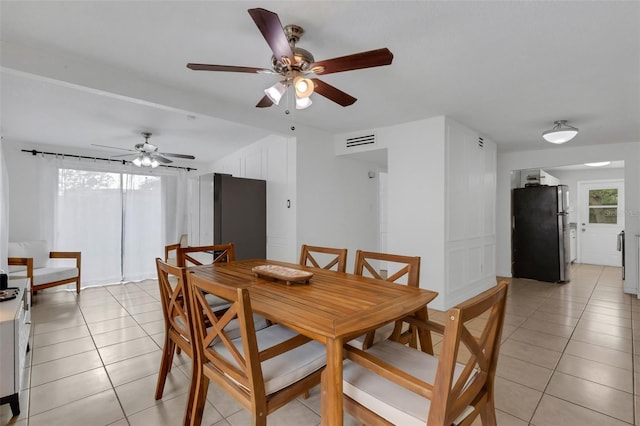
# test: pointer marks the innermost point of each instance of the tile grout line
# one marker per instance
(544, 392)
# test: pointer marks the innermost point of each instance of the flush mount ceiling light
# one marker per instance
(561, 132)
(598, 164)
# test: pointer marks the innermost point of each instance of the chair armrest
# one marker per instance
(426, 325)
(77, 255)
(25, 261)
(17, 261)
(388, 371)
(170, 247)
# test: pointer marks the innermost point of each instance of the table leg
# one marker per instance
(332, 385)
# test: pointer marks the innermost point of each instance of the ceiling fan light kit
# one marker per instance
(561, 132)
(275, 92)
(295, 65)
(303, 103)
(147, 154)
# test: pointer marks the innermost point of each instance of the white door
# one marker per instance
(600, 220)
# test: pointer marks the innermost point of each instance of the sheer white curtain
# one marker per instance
(89, 219)
(142, 230)
(174, 206)
(115, 218)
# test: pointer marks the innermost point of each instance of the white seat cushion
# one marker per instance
(385, 398)
(288, 368)
(382, 333)
(48, 275)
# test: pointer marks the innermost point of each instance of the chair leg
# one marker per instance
(488, 412)
(165, 365)
(197, 396)
(78, 286)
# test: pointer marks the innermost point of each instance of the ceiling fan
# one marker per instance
(147, 154)
(295, 65)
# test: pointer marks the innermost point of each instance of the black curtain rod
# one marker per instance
(35, 152)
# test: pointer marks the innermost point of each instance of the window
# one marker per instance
(603, 206)
(114, 219)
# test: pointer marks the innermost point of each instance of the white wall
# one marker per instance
(24, 195)
(416, 194)
(4, 209)
(336, 199)
(416, 187)
(561, 156)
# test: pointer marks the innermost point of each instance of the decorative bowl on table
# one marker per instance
(282, 273)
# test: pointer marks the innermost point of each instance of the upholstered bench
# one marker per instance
(32, 259)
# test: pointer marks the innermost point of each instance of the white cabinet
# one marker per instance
(272, 159)
(537, 177)
(573, 245)
(15, 325)
(470, 188)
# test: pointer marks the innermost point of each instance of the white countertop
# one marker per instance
(9, 308)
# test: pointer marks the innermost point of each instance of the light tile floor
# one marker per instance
(567, 359)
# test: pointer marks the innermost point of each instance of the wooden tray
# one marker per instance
(282, 273)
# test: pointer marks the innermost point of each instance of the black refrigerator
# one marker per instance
(540, 233)
(240, 215)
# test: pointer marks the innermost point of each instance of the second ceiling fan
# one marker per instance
(297, 66)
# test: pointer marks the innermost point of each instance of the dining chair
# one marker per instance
(405, 270)
(316, 256)
(171, 250)
(262, 369)
(177, 335)
(393, 384)
(204, 255)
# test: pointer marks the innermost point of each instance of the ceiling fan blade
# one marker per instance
(264, 102)
(228, 68)
(113, 147)
(332, 93)
(372, 58)
(161, 159)
(167, 154)
(271, 28)
(122, 155)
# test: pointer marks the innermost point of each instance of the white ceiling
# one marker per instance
(78, 73)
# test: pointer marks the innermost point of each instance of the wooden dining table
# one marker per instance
(332, 308)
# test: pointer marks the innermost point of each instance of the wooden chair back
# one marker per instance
(239, 373)
(410, 266)
(195, 255)
(408, 270)
(461, 390)
(316, 256)
(173, 297)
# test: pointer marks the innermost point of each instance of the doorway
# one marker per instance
(600, 220)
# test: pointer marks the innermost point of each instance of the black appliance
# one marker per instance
(240, 215)
(540, 233)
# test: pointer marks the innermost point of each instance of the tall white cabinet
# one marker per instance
(272, 159)
(470, 191)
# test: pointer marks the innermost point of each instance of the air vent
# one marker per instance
(480, 142)
(360, 140)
